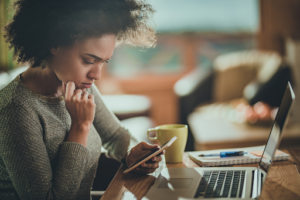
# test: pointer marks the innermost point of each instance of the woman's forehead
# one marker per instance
(101, 47)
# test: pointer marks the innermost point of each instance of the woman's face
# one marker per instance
(82, 62)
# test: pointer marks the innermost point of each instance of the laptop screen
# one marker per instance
(277, 128)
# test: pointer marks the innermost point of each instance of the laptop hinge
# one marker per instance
(259, 182)
(256, 183)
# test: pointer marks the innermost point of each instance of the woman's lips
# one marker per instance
(87, 85)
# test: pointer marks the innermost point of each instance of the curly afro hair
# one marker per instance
(39, 25)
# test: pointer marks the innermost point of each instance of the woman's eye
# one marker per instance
(90, 63)
(106, 61)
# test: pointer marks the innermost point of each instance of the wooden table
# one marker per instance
(221, 133)
(283, 180)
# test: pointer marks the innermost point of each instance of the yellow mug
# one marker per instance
(164, 133)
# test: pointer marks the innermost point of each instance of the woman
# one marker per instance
(52, 119)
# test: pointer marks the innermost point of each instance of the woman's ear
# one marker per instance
(53, 50)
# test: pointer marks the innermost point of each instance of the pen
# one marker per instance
(225, 154)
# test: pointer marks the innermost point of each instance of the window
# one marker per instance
(217, 27)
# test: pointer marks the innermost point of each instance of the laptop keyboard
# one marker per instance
(216, 184)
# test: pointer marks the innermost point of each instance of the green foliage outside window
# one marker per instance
(6, 61)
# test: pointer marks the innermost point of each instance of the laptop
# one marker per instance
(223, 182)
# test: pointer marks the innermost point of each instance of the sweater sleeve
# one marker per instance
(24, 154)
(116, 139)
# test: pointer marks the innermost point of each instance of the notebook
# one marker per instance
(223, 182)
(253, 156)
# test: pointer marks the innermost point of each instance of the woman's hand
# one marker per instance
(81, 108)
(141, 151)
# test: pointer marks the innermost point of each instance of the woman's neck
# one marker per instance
(42, 81)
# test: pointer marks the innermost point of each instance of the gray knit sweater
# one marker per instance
(36, 162)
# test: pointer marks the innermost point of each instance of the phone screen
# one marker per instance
(149, 155)
(146, 155)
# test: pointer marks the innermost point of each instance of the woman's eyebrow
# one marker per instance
(94, 56)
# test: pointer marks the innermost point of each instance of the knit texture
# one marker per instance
(36, 162)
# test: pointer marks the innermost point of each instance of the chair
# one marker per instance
(234, 75)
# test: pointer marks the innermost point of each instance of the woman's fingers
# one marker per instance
(91, 100)
(146, 146)
(78, 92)
(151, 165)
(77, 95)
(91, 97)
(64, 88)
(84, 95)
(157, 158)
(148, 167)
(69, 90)
(162, 153)
(140, 151)
(142, 170)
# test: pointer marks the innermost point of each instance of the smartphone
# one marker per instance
(163, 147)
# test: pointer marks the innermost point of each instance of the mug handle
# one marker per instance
(150, 130)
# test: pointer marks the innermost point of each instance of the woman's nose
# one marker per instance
(95, 73)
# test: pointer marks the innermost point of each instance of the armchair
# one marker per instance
(250, 75)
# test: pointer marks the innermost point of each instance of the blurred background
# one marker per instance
(191, 34)
(207, 51)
